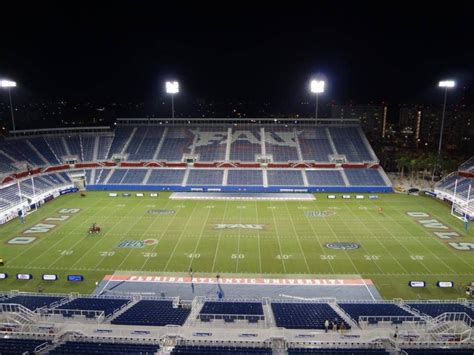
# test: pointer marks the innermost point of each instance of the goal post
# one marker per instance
(463, 210)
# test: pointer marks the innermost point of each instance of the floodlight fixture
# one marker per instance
(446, 84)
(172, 87)
(317, 86)
(8, 84)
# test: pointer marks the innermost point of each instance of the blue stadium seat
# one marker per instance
(230, 311)
(355, 310)
(16, 346)
(32, 302)
(153, 313)
(224, 350)
(117, 348)
(304, 315)
(108, 306)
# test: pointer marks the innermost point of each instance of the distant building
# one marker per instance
(421, 126)
(372, 117)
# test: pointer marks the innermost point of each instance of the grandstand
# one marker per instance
(147, 325)
(263, 155)
(151, 233)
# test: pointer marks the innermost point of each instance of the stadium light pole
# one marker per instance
(317, 87)
(446, 85)
(172, 88)
(8, 84)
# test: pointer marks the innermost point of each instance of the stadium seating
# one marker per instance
(32, 302)
(435, 309)
(117, 176)
(153, 313)
(336, 351)
(239, 177)
(104, 146)
(20, 346)
(205, 177)
(315, 145)
(246, 144)
(376, 310)
(100, 347)
(325, 178)
(134, 176)
(364, 177)
(178, 141)
(122, 134)
(304, 315)
(348, 141)
(285, 178)
(467, 166)
(281, 143)
(231, 350)
(108, 306)
(166, 177)
(444, 351)
(42, 146)
(230, 311)
(211, 144)
(87, 147)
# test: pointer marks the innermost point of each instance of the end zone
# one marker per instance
(187, 287)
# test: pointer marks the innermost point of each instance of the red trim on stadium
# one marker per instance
(240, 280)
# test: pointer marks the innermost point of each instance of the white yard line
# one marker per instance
(180, 236)
(219, 239)
(423, 245)
(297, 238)
(258, 238)
(376, 238)
(278, 239)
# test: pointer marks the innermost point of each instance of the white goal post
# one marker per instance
(463, 210)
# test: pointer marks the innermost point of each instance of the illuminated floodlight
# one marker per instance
(317, 86)
(447, 84)
(7, 84)
(172, 87)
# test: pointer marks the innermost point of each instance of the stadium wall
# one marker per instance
(361, 189)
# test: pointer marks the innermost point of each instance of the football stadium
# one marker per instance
(199, 236)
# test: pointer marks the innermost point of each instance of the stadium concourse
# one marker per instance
(220, 314)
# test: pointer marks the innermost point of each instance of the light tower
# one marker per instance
(317, 87)
(445, 84)
(172, 88)
(8, 84)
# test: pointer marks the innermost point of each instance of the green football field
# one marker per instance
(241, 237)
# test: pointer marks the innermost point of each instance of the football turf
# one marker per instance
(223, 237)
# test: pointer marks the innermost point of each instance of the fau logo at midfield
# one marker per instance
(239, 226)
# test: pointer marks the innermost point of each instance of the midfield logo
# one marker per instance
(319, 214)
(239, 226)
(342, 246)
(136, 244)
(161, 212)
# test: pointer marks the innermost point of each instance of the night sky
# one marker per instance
(369, 53)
